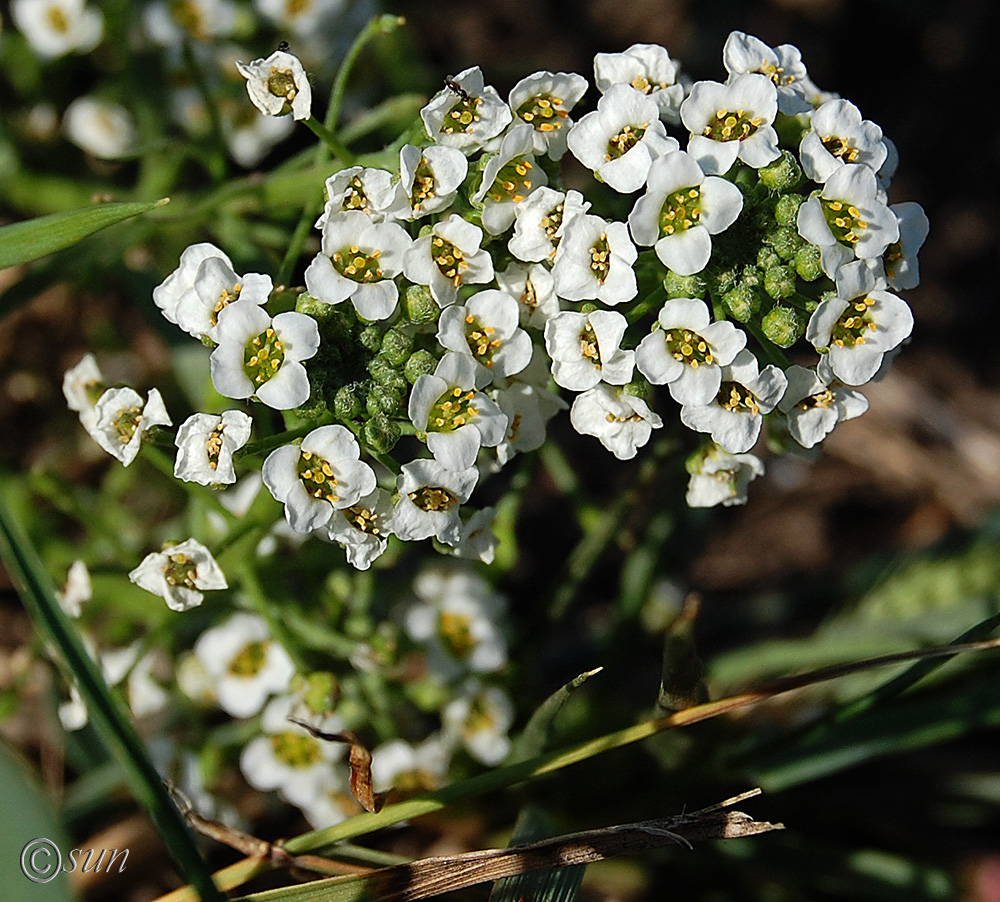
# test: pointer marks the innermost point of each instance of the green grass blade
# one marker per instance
(21, 242)
(113, 724)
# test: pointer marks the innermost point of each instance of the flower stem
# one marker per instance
(329, 139)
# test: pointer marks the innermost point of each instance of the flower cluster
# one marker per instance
(479, 288)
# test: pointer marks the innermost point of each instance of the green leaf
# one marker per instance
(26, 571)
(21, 242)
(29, 821)
(552, 885)
(538, 732)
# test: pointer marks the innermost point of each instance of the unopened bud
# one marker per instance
(349, 402)
(371, 337)
(786, 210)
(808, 263)
(779, 282)
(381, 400)
(786, 241)
(783, 174)
(380, 434)
(677, 286)
(419, 363)
(783, 326)
(742, 302)
(397, 346)
(421, 308)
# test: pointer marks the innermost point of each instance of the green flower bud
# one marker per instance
(640, 388)
(349, 402)
(742, 302)
(786, 241)
(421, 308)
(807, 262)
(752, 277)
(677, 286)
(783, 326)
(767, 258)
(381, 400)
(420, 362)
(397, 345)
(779, 282)
(380, 367)
(783, 174)
(318, 310)
(395, 381)
(786, 210)
(380, 434)
(371, 337)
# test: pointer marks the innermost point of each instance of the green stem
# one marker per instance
(113, 724)
(377, 26)
(330, 140)
(652, 300)
(275, 620)
(772, 352)
(161, 462)
(251, 449)
(597, 538)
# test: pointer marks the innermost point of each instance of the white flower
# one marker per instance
(102, 129)
(621, 422)
(486, 329)
(278, 85)
(535, 290)
(718, 477)
(288, 757)
(145, 690)
(467, 120)
(544, 100)
(647, 68)
(813, 407)
(848, 218)
(840, 136)
(743, 54)
(245, 664)
(170, 24)
(430, 496)
(541, 221)
(54, 28)
(732, 121)
(252, 138)
(167, 295)
(480, 718)
(359, 260)
(621, 138)
(478, 542)
(121, 419)
(261, 357)
(179, 573)
(371, 191)
(687, 351)
(302, 17)
(594, 262)
(680, 211)
(458, 619)
(82, 385)
(431, 176)
(322, 475)
(215, 287)
(585, 349)
(734, 417)
(363, 529)
(900, 258)
(398, 764)
(858, 327)
(205, 445)
(528, 408)
(332, 803)
(458, 419)
(510, 176)
(77, 589)
(448, 257)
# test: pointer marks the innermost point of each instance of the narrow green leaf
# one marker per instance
(538, 731)
(551, 885)
(21, 561)
(21, 242)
